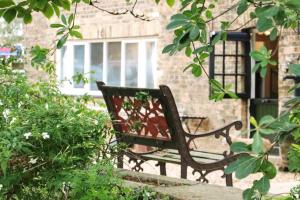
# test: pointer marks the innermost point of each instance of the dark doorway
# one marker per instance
(265, 100)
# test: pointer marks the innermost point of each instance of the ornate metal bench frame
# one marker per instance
(160, 127)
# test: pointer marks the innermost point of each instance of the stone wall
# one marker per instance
(191, 93)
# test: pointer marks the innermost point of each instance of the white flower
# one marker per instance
(12, 121)
(47, 106)
(1, 186)
(6, 113)
(27, 135)
(1, 103)
(20, 104)
(94, 162)
(45, 135)
(33, 160)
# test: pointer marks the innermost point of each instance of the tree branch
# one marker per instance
(121, 12)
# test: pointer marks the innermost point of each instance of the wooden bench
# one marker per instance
(150, 117)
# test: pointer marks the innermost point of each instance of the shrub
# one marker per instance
(43, 134)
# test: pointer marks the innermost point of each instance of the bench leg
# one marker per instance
(183, 170)
(162, 166)
(120, 161)
(228, 178)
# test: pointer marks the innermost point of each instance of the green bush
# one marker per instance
(53, 147)
(44, 134)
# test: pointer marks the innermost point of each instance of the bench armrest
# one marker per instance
(217, 133)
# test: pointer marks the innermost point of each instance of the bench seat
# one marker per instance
(173, 156)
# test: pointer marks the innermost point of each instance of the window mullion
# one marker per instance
(154, 63)
(87, 65)
(69, 71)
(123, 57)
(104, 62)
(142, 64)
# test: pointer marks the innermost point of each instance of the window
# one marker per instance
(129, 63)
(230, 63)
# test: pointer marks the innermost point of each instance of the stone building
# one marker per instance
(126, 51)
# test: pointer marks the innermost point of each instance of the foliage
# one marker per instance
(53, 146)
(44, 133)
(286, 125)
(99, 181)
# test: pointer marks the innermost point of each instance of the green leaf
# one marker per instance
(188, 51)
(253, 122)
(293, 4)
(232, 167)
(208, 14)
(242, 7)
(251, 165)
(57, 25)
(255, 67)
(216, 38)
(27, 18)
(294, 69)
(10, 14)
(3, 165)
(257, 55)
(248, 194)
(168, 48)
(264, 24)
(269, 11)
(56, 9)
(267, 119)
(63, 19)
(267, 131)
(71, 18)
(239, 147)
(262, 185)
(176, 23)
(6, 3)
(66, 4)
(48, 11)
(244, 166)
(62, 41)
(170, 2)
(196, 70)
(263, 72)
(274, 33)
(194, 33)
(76, 34)
(179, 17)
(40, 4)
(257, 145)
(268, 169)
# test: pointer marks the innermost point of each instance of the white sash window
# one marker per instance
(130, 63)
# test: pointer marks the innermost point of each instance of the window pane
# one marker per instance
(131, 64)
(78, 63)
(96, 64)
(150, 48)
(114, 63)
(62, 63)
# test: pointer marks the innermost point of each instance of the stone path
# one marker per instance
(283, 182)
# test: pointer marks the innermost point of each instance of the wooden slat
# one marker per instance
(200, 154)
(161, 158)
(174, 157)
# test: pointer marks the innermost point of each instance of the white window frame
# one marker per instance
(67, 88)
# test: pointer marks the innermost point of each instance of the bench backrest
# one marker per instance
(143, 116)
